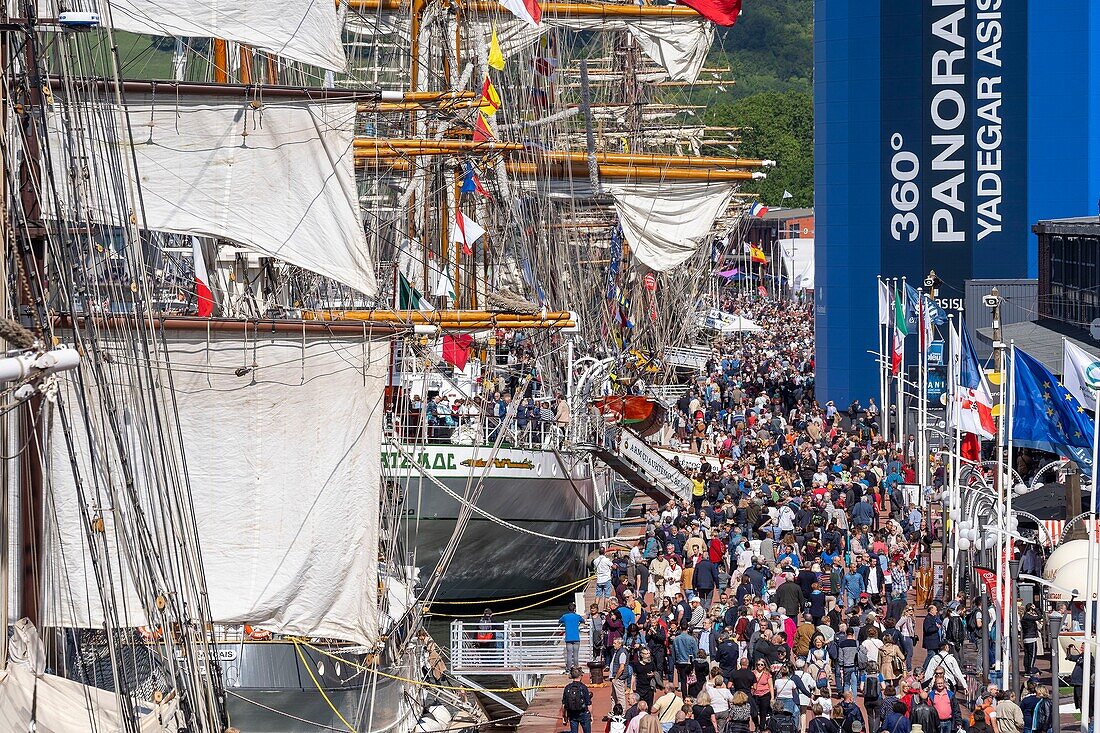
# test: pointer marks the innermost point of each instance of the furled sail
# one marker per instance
(276, 177)
(666, 223)
(30, 699)
(678, 45)
(283, 437)
(299, 30)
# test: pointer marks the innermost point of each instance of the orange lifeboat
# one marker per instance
(644, 415)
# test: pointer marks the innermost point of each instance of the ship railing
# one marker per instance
(531, 646)
(533, 434)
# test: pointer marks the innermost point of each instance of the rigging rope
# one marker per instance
(517, 598)
(536, 604)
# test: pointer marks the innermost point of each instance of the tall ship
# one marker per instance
(198, 530)
(548, 220)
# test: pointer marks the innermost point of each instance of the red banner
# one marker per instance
(992, 587)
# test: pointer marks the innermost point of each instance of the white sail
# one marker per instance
(30, 699)
(678, 45)
(278, 178)
(299, 30)
(665, 223)
(284, 465)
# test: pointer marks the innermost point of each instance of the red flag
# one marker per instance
(456, 349)
(722, 12)
(481, 128)
(202, 281)
(971, 447)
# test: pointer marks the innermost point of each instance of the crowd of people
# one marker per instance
(782, 597)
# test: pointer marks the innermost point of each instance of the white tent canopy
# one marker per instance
(1067, 567)
(798, 262)
(723, 322)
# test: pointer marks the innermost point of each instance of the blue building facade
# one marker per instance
(943, 130)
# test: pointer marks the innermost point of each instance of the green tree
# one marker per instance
(770, 49)
(780, 127)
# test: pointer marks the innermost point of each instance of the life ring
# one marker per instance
(256, 634)
(150, 635)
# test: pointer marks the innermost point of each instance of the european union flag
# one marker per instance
(1045, 415)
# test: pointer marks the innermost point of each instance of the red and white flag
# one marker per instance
(202, 281)
(526, 10)
(466, 232)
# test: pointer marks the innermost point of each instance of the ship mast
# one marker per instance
(31, 241)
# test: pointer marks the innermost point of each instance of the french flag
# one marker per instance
(202, 281)
(758, 210)
(971, 401)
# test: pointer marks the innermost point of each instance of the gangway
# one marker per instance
(643, 467)
(512, 647)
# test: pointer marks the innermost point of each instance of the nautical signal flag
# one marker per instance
(722, 12)
(758, 210)
(496, 57)
(203, 294)
(472, 184)
(456, 349)
(490, 99)
(1046, 415)
(466, 232)
(482, 133)
(529, 10)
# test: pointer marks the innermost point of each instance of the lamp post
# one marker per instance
(1054, 625)
(1013, 672)
(987, 620)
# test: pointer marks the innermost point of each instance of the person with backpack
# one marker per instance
(822, 723)
(576, 703)
(944, 661)
(852, 721)
(896, 721)
(845, 653)
(872, 694)
(782, 720)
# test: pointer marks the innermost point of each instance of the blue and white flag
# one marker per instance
(1046, 415)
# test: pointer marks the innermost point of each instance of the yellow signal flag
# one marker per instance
(496, 57)
(490, 99)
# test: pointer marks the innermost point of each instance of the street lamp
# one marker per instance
(1013, 671)
(1054, 626)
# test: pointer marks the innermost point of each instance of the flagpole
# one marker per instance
(922, 386)
(953, 487)
(884, 410)
(1009, 674)
(1092, 537)
(901, 374)
(1002, 524)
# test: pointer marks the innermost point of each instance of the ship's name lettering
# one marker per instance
(395, 460)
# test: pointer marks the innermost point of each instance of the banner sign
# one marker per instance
(993, 588)
(953, 160)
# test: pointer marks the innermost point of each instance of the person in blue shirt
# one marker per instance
(571, 621)
(863, 513)
(627, 615)
(853, 584)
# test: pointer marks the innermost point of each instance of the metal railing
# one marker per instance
(512, 646)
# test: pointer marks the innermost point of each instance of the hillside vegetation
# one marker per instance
(770, 54)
